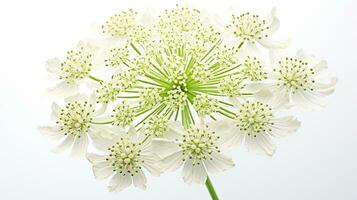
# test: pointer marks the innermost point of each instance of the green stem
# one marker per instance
(211, 190)
(95, 79)
(109, 122)
(136, 49)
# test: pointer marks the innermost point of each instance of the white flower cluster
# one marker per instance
(179, 94)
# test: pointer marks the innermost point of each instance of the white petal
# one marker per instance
(119, 182)
(101, 110)
(261, 144)
(80, 146)
(56, 109)
(52, 132)
(94, 158)
(325, 87)
(236, 139)
(199, 173)
(307, 101)
(274, 26)
(194, 173)
(102, 170)
(320, 66)
(102, 137)
(227, 132)
(176, 128)
(151, 164)
(131, 132)
(187, 171)
(271, 15)
(77, 97)
(274, 44)
(53, 65)
(67, 143)
(171, 134)
(63, 89)
(221, 126)
(147, 17)
(284, 126)
(139, 180)
(218, 163)
(164, 148)
(172, 162)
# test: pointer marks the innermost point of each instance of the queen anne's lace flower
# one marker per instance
(120, 24)
(197, 149)
(123, 115)
(126, 157)
(205, 105)
(73, 124)
(255, 124)
(301, 80)
(117, 56)
(106, 93)
(75, 67)
(179, 92)
(231, 86)
(249, 27)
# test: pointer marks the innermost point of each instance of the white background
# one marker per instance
(319, 162)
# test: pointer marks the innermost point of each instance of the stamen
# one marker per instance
(254, 118)
(125, 157)
(77, 65)
(123, 114)
(295, 75)
(205, 105)
(120, 24)
(248, 27)
(198, 144)
(75, 118)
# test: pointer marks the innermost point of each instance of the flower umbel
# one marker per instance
(179, 91)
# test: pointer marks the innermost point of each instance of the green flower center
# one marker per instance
(123, 114)
(125, 157)
(156, 126)
(75, 118)
(254, 118)
(253, 69)
(120, 24)
(198, 144)
(77, 65)
(248, 26)
(294, 74)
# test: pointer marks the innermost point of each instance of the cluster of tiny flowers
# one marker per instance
(183, 26)
(176, 97)
(198, 144)
(231, 86)
(124, 157)
(205, 105)
(176, 92)
(248, 26)
(252, 68)
(120, 24)
(295, 74)
(77, 65)
(123, 114)
(201, 72)
(124, 80)
(106, 92)
(150, 97)
(117, 56)
(226, 57)
(75, 118)
(254, 117)
(156, 126)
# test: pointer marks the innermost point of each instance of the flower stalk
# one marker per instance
(211, 189)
